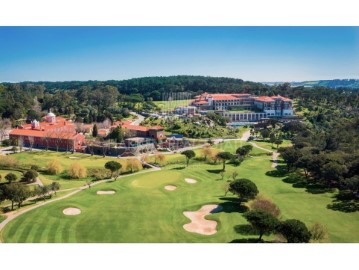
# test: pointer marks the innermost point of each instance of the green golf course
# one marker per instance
(142, 211)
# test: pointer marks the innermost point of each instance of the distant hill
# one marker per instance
(346, 83)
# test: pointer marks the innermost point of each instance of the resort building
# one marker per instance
(54, 133)
(245, 107)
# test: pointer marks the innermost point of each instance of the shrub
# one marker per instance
(10, 177)
(133, 165)
(54, 167)
(319, 233)
(264, 204)
(100, 173)
(77, 171)
(30, 175)
(8, 162)
(35, 167)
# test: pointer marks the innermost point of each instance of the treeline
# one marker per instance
(88, 101)
(326, 146)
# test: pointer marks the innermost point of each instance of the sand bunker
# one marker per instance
(191, 181)
(105, 192)
(275, 159)
(170, 187)
(71, 211)
(198, 222)
(74, 157)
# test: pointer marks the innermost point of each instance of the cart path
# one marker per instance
(12, 215)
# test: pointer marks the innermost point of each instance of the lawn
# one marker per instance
(171, 105)
(268, 145)
(142, 211)
(3, 173)
(41, 158)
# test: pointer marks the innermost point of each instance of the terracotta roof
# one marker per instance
(49, 133)
(137, 128)
(201, 102)
(264, 99)
(156, 127)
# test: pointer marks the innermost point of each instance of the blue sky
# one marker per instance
(249, 53)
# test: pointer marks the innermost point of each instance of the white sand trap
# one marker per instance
(198, 222)
(170, 187)
(191, 181)
(275, 159)
(71, 211)
(105, 192)
(74, 157)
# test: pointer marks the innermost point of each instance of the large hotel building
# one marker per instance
(245, 107)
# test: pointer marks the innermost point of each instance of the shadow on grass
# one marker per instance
(299, 181)
(280, 171)
(214, 171)
(344, 206)
(247, 240)
(179, 168)
(345, 201)
(232, 205)
(245, 229)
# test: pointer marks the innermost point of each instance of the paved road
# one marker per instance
(139, 119)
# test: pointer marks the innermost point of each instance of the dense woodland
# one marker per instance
(88, 101)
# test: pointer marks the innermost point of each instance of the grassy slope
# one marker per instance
(42, 158)
(170, 105)
(142, 211)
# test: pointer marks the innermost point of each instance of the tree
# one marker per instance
(333, 171)
(77, 171)
(244, 150)
(294, 231)
(94, 131)
(5, 126)
(264, 204)
(290, 155)
(54, 167)
(133, 164)
(278, 142)
(10, 177)
(42, 191)
(224, 156)
(113, 166)
(55, 186)
(265, 133)
(272, 138)
(16, 193)
(222, 174)
(188, 154)
(262, 221)
(207, 151)
(244, 188)
(30, 175)
(319, 233)
(116, 134)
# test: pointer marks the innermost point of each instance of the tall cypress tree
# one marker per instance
(94, 131)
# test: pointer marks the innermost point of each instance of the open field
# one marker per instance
(171, 105)
(141, 210)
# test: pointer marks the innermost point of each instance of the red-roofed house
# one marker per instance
(53, 133)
